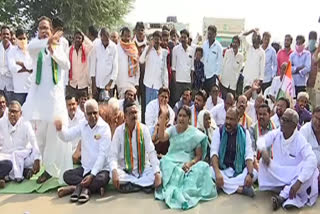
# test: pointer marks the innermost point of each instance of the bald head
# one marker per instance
(114, 37)
(229, 101)
(292, 114)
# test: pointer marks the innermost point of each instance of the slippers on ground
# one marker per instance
(64, 191)
(84, 196)
(76, 194)
(43, 177)
(276, 202)
(2, 183)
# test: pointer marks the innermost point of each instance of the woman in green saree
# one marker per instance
(186, 179)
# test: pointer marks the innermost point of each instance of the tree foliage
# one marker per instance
(74, 13)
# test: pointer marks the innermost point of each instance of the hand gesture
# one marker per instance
(54, 40)
(115, 179)
(294, 189)
(157, 180)
(87, 181)
(58, 125)
(36, 166)
(248, 181)
(219, 180)
(186, 167)
(256, 85)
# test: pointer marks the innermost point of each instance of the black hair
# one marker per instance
(236, 38)
(173, 32)
(79, 33)
(104, 32)
(288, 35)
(70, 97)
(313, 34)
(186, 109)
(212, 28)
(57, 23)
(5, 27)
(164, 89)
(165, 27)
(203, 94)
(316, 110)
(264, 105)
(184, 31)
(285, 100)
(127, 105)
(266, 34)
(20, 32)
(199, 49)
(93, 31)
(139, 25)
(124, 29)
(301, 37)
(157, 34)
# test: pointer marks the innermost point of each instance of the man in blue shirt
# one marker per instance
(301, 65)
(212, 59)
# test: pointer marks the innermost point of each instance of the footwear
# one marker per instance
(248, 191)
(19, 180)
(128, 188)
(289, 207)
(64, 191)
(2, 183)
(43, 177)
(27, 173)
(277, 202)
(84, 196)
(148, 190)
(102, 191)
(75, 195)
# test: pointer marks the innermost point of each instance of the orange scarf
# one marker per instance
(131, 50)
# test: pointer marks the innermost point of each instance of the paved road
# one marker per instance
(137, 203)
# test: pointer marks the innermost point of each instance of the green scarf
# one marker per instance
(239, 162)
(54, 66)
(128, 153)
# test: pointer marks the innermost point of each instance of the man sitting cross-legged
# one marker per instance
(95, 135)
(19, 151)
(232, 157)
(131, 153)
(293, 169)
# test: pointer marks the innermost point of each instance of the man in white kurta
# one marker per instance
(311, 132)
(45, 102)
(95, 135)
(153, 109)
(18, 146)
(131, 169)
(75, 116)
(293, 168)
(232, 157)
(218, 112)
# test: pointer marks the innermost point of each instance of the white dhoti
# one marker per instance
(275, 176)
(20, 159)
(231, 183)
(57, 154)
(145, 180)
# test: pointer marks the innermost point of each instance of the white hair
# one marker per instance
(303, 94)
(113, 103)
(90, 102)
(293, 114)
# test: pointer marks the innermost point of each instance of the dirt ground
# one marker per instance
(138, 203)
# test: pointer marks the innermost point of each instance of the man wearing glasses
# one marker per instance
(293, 169)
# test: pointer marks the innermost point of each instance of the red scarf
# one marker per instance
(83, 59)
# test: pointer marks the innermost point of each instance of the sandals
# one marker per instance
(64, 191)
(76, 194)
(84, 196)
(277, 202)
(2, 183)
(43, 177)
(27, 173)
(129, 188)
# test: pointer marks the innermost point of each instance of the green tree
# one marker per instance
(75, 13)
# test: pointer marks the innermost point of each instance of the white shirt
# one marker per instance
(219, 114)
(116, 155)
(307, 131)
(152, 114)
(21, 81)
(95, 143)
(255, 63)
(290, 152)
(212, 58)
(123, 79)
(104, 63)
(215, 145)
(183, 63)
(251, 111)
(78, 118)
(5, 74)
(276, 120)
(210, 105)
(18, 137)
(156, 71)
(232, 65)
(275, 86)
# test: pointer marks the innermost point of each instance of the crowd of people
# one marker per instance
(158, 113)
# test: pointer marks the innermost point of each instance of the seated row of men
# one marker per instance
(127, 150)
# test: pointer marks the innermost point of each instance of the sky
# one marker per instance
(279, 17)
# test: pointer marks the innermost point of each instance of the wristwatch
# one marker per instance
(251, 174)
